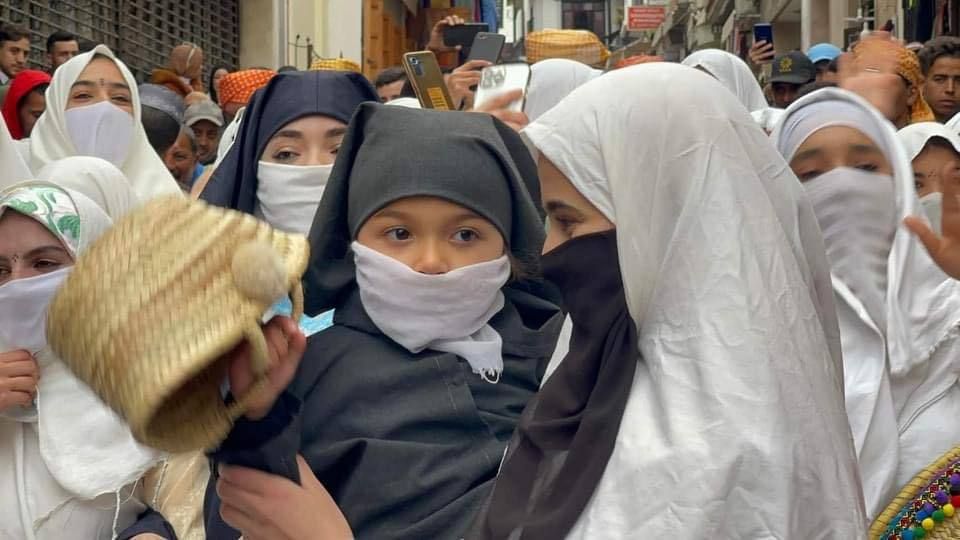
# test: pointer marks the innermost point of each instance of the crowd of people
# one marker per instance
(706, 300)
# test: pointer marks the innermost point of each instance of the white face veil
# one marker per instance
(50, 140)
(888, 388)
(733, 73)
(735, 427)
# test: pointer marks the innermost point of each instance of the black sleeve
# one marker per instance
(270, 444)
(150, 521)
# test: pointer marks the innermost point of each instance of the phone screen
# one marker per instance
(496, 80)
(763, 32)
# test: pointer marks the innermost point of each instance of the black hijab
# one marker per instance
(390, 153)
(287, 97)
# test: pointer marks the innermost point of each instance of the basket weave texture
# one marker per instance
(580, 45)
(152, 305)
(904, 517)
(334, 64)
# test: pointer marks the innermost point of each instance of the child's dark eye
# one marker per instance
(399, 234)
(466, 235)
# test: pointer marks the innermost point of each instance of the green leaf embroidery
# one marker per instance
(24, 207)
(69, 224)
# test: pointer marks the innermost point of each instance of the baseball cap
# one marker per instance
(823, 51)
(793, 68)
(203, 110)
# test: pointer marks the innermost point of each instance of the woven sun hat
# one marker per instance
(335, 64)
(580, 45)
(150, 309)
(926, 508)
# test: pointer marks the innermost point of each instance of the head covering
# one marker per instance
(186, 60)
(335, 64)
(465, 158)
(767, 117)
(793, 68)
(580, 45)
(288, 97)
(885, 387)
(733, 73)
(24, 83)
(50, 140)
(11, 161)
(239, 86)
(551, 80)
(408, 102)
(73, 467)
(162, 99)
(908, 67)
(203, 110)
(734, 426)
(916, 136)
(637, 59)
(823, 51)
(97, 179)
(796, 128)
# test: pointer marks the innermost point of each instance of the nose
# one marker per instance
(951, 86)
(431, 259)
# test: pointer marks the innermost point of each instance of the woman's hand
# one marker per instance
(945, 248)
(263, 506)
(19, 374)
(285, 347)
(497, 107)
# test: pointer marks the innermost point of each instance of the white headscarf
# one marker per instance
(733, 73)
(408, 102)
(96, 178)
(735, 427)
(12, 164)
(903, 392)
(552, 80)
(74, 462)
(916, 136)
(954, 123)
(50, 141)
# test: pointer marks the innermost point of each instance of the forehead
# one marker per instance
(22, 43)
(66, 45)
(837, 136)
(946, 63)
(314, 125)
(22, 233)
(102, 68)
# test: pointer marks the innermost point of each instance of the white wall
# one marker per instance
(259, 34)
(344, 30)
(547, 14)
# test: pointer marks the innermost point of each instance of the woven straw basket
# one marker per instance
(927, 507)
(153, 304)
(334, 64)
(580, 45)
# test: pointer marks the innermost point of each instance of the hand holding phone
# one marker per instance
(500, 79)
(487, 46)
(762, 51)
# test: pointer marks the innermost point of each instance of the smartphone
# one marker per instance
(495, 80)
(462, 34)
(487, 46)
(427, 80)
(763, 32)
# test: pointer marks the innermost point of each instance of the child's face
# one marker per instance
(928, 167)
(431, 235)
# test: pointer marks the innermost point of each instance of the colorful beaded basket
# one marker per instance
(926, 507)
(334, 64)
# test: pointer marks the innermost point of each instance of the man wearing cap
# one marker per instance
(823, 56)
(790, 72)
(206, 121)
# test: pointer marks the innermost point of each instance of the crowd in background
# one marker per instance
(715, 299)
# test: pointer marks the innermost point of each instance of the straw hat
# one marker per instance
(334, 64)
(153, 304)
(926, 508)
(580, 45)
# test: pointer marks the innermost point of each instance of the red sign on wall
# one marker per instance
(645, 17)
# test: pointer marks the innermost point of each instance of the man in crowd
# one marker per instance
(940, 64)
(206, 121)
(14, 48)
(181, 159)
(161, 115)
(61, 46)
(790, 72)
(824, 57)
(389, 83)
